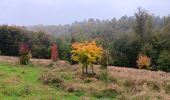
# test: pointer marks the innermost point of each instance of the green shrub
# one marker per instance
(24, 53)
(25, 59)
(164, 61)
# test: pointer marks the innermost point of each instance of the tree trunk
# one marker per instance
(83, 70)
(86, 70)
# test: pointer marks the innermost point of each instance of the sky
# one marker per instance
(54, 12)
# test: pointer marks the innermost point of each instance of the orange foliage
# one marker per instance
(143, 61)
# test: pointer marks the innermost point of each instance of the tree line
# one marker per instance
(12, 36)
(124, 38)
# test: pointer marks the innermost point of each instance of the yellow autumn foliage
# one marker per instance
(86, 53)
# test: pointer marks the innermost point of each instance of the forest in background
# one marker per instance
(124, 38)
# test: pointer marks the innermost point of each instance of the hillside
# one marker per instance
(63, 81)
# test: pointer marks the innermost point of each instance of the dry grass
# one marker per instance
(132, 84)
(139, 76)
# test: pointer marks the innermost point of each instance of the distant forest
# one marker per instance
(124, 38)
(96, 26)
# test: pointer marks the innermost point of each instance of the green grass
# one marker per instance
(32, 82)
(21, 83)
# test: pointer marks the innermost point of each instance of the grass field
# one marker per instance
(65, 82)
(21, 83)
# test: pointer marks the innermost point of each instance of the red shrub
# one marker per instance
(24, 53)
(23, 48)
(54, 52)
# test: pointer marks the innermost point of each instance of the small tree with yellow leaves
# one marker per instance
(86, 54)
(143, 61)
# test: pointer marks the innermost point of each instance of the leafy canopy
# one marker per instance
(86, 53)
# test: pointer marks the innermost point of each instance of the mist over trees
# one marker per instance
(124, 38)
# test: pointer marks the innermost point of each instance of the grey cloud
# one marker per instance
(31, 12)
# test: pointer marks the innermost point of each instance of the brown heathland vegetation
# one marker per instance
(127, 83)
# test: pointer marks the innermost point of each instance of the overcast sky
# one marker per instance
(53, 12)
